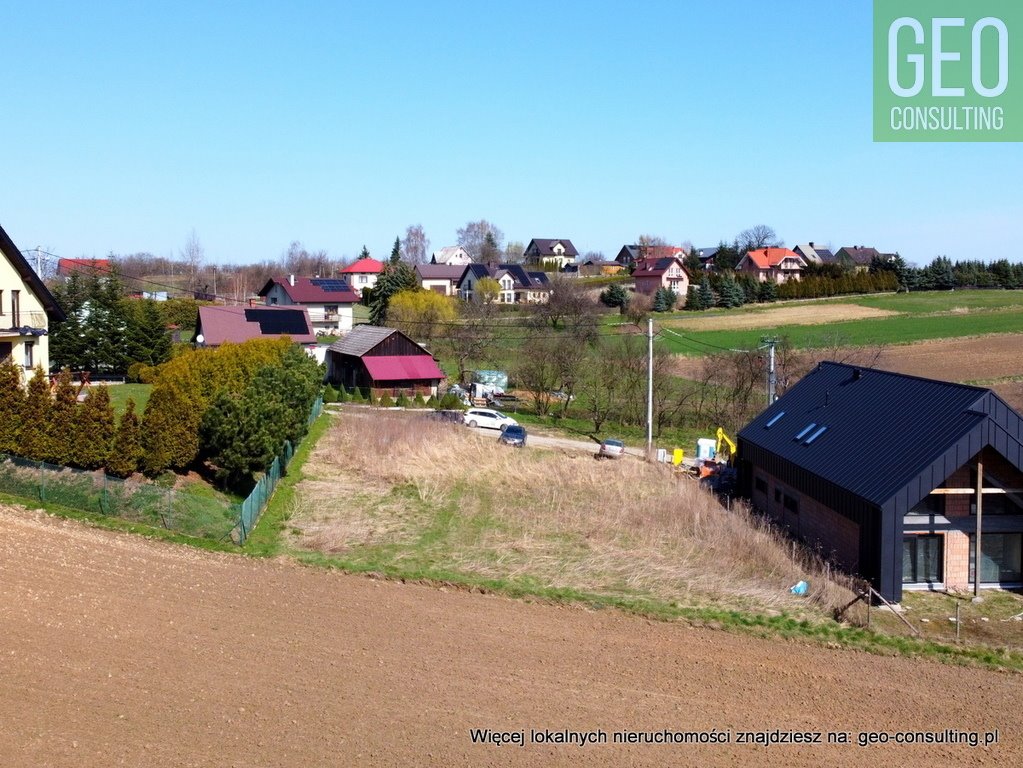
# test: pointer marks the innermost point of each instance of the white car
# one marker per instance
(486, 417)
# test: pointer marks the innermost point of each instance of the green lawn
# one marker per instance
(926, 316)
(120, 393)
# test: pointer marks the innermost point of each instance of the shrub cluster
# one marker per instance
(56, 428)
(230, 408)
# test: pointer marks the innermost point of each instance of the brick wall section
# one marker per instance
(957, 559)
(837, 536)
(957, 543)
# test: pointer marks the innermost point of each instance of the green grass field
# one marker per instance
(923, 316)
(121, 393)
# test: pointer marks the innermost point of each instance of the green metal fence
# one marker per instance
(198, 513)
(257, 500)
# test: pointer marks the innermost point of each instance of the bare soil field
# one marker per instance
(810, 313)
(120, 651)
(980, 358)
(970, 359)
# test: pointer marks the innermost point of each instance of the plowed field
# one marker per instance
(119, 651)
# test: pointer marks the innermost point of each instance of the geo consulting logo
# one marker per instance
(948, 70)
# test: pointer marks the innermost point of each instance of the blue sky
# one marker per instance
(127, 125)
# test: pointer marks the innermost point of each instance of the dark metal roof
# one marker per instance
(886, 434)
(29, 276)
(363, 338)
(545, 246)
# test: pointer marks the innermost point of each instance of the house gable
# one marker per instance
(869, 446)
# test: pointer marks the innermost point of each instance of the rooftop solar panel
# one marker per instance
(289, 321)
(330, 284)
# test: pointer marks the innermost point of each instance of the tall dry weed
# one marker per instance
(616, 526)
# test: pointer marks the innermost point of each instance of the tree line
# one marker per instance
(223, 412)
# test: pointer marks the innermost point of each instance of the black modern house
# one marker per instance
(884, 473)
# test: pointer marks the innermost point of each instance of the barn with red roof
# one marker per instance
(382, 361)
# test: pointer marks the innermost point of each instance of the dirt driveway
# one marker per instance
(120, 651)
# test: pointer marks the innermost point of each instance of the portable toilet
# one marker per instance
(705, 448)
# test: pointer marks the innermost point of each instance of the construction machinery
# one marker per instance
(726, 440)
(709, 467)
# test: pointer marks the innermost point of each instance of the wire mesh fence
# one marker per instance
(206, 515)
(194, 511)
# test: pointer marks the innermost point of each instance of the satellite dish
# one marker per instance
(200, 339)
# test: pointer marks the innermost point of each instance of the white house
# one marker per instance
(329, 301)
(442, 278)
(452, 255)
(362, 274)
(26, 310)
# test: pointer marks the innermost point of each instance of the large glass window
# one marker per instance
(922, 559)
(1001, 557)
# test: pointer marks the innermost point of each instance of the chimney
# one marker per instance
(811, 244)
(291, 280)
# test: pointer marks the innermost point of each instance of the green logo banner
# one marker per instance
(948, 70)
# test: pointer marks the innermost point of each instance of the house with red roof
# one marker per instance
(363, 274)
(665, 272)
(232, 325)
(87, 267)
(382, 361)
(329, 300)
(778, 264)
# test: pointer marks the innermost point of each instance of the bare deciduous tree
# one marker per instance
(568, 304)
(514, 252)
(193, 255)
(298, 261)
(473, 237)
(415, 245)
(760, 236)
(472, 338)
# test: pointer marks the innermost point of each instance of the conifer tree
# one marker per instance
(63, 413)
(34, 436)
(126, 454)
(12, 399)
(706, 293)
(93, 430)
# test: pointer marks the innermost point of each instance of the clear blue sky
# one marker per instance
(127, 125)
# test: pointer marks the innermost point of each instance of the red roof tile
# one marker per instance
(314, 290)
(402, 367)
(766, 258)
(220, 325)
(364, 267)
(85, 266)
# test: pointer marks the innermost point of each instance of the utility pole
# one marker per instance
(39, 262)
(772, 374)
(650, 390)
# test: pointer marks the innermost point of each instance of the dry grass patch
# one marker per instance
(811, 313)
(441, 497)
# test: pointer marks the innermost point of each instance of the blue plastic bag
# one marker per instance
(799, 588)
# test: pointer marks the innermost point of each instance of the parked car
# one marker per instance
(486, 417)
(513, 435)
(611, 449)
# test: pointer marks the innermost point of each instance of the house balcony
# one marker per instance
(25, 324)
